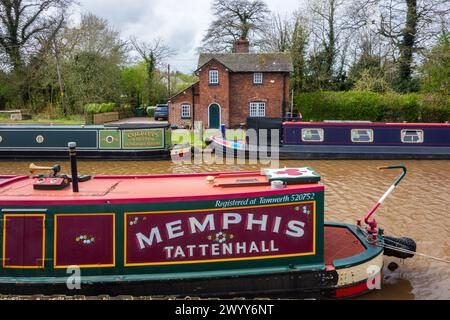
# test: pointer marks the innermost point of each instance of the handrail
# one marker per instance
(372, 223)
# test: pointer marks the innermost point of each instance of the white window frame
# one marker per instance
(185, 111)
(421, 135)
(213, 76)
(258, 78)
(321, 134)
(355, 131)
(257, 109)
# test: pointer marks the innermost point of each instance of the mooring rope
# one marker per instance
(401, 249)
(412, 252)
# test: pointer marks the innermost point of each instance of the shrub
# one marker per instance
(95, 108)
(151, 111)
(371, 106)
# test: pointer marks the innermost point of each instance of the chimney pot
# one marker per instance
(242, 46)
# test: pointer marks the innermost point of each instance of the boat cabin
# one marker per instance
(366, 134)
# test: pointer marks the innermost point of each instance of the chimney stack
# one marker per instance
(242, 46)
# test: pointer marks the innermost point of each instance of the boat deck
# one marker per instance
(125, 189)
(341, 243)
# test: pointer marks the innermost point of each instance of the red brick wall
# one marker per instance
(234, 94)
(243, 91)
(210, 94)
(175, 103)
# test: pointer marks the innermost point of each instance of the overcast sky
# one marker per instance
(181, 23)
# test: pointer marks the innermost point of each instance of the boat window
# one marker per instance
(412, 136)
(362, 135)
(313, 135)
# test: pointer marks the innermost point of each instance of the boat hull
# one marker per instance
(339, 141)
(335, 152)
(344, 278)
(121, 142)
(205, 235)
(349, 279)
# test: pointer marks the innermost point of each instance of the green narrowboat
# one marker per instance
(110, 142)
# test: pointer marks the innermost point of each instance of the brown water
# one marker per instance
(419, 208)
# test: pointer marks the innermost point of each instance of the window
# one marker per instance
(185, 111)
(412, 136)
(213, 77)
(257, 78)
(257, 109)
(313, 135)
(362, 135)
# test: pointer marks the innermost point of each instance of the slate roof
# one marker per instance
(250, 62)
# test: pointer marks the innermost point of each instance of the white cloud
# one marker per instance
(180, 23)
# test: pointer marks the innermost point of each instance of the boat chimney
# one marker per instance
(73, 165)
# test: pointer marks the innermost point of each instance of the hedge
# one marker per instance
(376, 107)
(95, 108)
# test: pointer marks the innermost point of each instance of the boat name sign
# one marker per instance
(232, 234)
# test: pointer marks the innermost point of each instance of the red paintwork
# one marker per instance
(11, 179)
(138, 189)
(69, 251)
(358, 124)
(352, 291)
(225, 228)
(20, 253)
(340, 243)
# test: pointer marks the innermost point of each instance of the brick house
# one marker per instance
(233, 87)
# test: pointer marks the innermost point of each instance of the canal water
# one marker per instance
(419, 208)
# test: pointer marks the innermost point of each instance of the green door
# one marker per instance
(214, 116)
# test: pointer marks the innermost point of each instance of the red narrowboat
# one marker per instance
(241, 234)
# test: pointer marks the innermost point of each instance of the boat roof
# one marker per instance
(19, 190)
(86, 127)
(366, 124)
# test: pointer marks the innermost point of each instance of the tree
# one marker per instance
(367, 63)
(95, 35)
(329, 42)
(27, 28)
(435, 70)
(134, 84)
(89, 56)
(154, 53)
(279, 33)
(298, 53)
(234, 20)
(408, 26)
(23, 22)
(91, 78)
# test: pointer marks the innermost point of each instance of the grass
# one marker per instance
(42, 119)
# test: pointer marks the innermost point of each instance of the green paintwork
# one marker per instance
(110, 139)
(49, 138)
(214, 116)
(143, 139)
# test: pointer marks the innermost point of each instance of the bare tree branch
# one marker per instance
(235, 19)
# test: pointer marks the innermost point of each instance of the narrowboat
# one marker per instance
(112, 142)
(237, 234)
(342, 140)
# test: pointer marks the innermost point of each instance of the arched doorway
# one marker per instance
(214, 115)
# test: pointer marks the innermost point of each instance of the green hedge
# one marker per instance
(370, 106)
(151, 111)
(95, 108)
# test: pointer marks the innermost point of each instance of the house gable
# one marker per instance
(236, 94)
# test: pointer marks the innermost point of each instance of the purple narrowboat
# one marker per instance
(345, 140)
